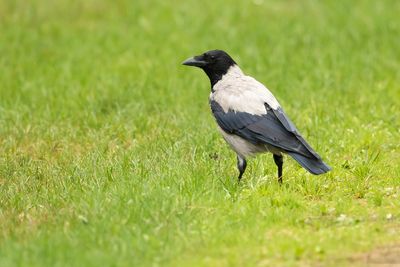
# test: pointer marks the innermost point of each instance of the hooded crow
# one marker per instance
(250, 118)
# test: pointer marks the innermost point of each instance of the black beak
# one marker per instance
(194, 62)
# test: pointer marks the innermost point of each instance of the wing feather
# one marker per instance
(272, 128)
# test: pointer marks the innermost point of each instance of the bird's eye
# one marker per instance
(212, 57)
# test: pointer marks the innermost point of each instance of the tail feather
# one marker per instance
(313, 165)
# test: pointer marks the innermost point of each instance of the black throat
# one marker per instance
(215, 74)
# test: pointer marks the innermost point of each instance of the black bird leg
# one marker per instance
(241, 164)
(279, 162)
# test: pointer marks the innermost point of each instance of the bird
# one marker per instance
(250, 118)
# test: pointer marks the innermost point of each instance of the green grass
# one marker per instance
(109, 155)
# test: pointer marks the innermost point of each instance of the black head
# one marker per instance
(215, 64)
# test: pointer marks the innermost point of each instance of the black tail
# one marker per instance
(313, 165)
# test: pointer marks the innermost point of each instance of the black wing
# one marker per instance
(273, 128)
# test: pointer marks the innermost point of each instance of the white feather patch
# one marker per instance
(238, 92)
(241, 146)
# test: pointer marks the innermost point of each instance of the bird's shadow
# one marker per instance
(234, 188)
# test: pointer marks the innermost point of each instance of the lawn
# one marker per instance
(109, 155)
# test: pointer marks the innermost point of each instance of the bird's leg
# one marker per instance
(279, 162)
(241, 164)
